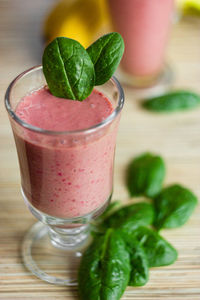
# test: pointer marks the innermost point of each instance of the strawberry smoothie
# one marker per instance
(66, 175)
(144, 26)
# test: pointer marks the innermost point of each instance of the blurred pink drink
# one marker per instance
(144, 25)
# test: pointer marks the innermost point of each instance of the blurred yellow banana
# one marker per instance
(189, 6)
(83, 20)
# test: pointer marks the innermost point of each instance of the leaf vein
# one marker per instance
(64, 70)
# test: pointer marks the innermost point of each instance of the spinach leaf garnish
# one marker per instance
(68, 69)
(71, 71)
(106, 54)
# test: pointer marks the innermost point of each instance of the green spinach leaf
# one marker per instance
(173, 101)
(139, 262)
(173, 206)
(109, 210)
(106, 54)
(105, 268)
(145, 175)
(159, 252)
(130, 216)
(68, 69)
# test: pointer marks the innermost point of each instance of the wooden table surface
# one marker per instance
(176, 137)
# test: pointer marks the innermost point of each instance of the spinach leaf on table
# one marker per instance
(106, 53)
(159, 252)
(173, 101)
(105, 268)
(173, 206)
(145, 175)
(109, 210)
(130, 216)
(139, 262)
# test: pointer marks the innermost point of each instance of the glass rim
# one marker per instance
(91, 129)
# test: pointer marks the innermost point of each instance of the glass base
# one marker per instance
(45, 259)
(148, 86)
(53, 247)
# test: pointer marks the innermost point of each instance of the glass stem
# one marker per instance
(68, 238)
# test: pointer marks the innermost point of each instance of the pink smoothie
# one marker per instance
(144, 25)
(66, 175)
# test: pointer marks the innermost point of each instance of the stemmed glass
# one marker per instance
(66, 180)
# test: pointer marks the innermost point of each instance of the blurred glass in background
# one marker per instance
(145, 27)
